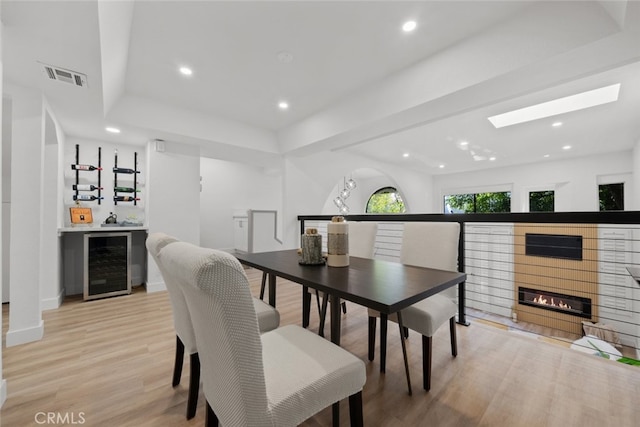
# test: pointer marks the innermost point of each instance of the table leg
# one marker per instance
(335, 318)
(306, 306)
(383, 342)
(461, 304)
(404, 351)
(272, 289)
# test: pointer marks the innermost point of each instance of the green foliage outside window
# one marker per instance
(611, 197)
(542, 201)
(478, 203)
(385, 200)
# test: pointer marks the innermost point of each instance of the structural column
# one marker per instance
(25, 315)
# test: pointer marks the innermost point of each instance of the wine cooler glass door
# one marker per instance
(107, 262)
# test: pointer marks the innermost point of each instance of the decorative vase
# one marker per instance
(311, 247)
(337, 242)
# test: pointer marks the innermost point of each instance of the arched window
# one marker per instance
(385, 200)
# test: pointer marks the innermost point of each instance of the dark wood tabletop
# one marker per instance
(384, 286)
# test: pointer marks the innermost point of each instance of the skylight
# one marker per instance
(576, 102)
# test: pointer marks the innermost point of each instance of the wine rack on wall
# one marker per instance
(118, 190)
(86, 188)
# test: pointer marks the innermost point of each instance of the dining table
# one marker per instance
(384, 286)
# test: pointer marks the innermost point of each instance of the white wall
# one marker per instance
(51, 290)
(635, 205)
(3, 383)
(173, 206)
(229, 187)
(6, 195)
(25, 317)
(88, 150)
(575, 182)
(311, 183)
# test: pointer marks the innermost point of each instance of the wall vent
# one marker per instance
(63, 75)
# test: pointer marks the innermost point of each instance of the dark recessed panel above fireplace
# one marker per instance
(554, 246)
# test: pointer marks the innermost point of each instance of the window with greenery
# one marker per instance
(385, 200)
(611, 197)
(478, 202)
(541, 201)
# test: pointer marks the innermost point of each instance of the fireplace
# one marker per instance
(560, 263)
(553, 301)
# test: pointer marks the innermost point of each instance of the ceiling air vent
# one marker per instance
(64, 75)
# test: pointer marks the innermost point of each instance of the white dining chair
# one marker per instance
(268, 318)
(251, 379)
(431, 245)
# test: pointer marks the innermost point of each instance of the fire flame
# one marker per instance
(541, 299)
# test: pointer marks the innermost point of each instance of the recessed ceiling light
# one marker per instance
(566, 147)
(186, 71)
(283, 105)
(441, 166)
(405, 155)
(492, 158)
(285, 57)
(464, 143)
(409, 26)
(556, 124)
(112, 129)
(546, 156)
(575, 102)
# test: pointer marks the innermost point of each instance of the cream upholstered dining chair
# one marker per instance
(432, 245)
(268, 318)
(362, 240)
(251, 379)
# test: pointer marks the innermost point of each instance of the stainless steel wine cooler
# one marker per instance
(107, 264)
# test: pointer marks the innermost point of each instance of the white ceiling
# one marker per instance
(356, 82)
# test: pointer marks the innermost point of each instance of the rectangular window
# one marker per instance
(541, 201)
(478, 202)
(611, 197)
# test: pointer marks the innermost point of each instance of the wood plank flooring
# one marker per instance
(109, 363)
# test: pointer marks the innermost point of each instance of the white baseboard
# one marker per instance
(22, 336)
(156, 287)
(53, 303)
(3, 392)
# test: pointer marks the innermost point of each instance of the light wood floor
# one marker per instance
(110, 362)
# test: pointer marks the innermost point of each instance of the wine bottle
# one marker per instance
(85, 187)
(124, 170)
(125, 190)
(86, 197)
(124, 198)
(85, 168)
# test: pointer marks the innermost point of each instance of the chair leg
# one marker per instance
(323, 314)
(406, 332)
(355, 409)
(344, 307)
(194, 386)
(372, 337)
(177, 366)
(263, 284)
(210, 419)
(335, 414)
(452, 332)
(426, 362)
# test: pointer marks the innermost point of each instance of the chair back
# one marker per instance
(156, 242)
(219, 299)
(362, 238)
(432, 245)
